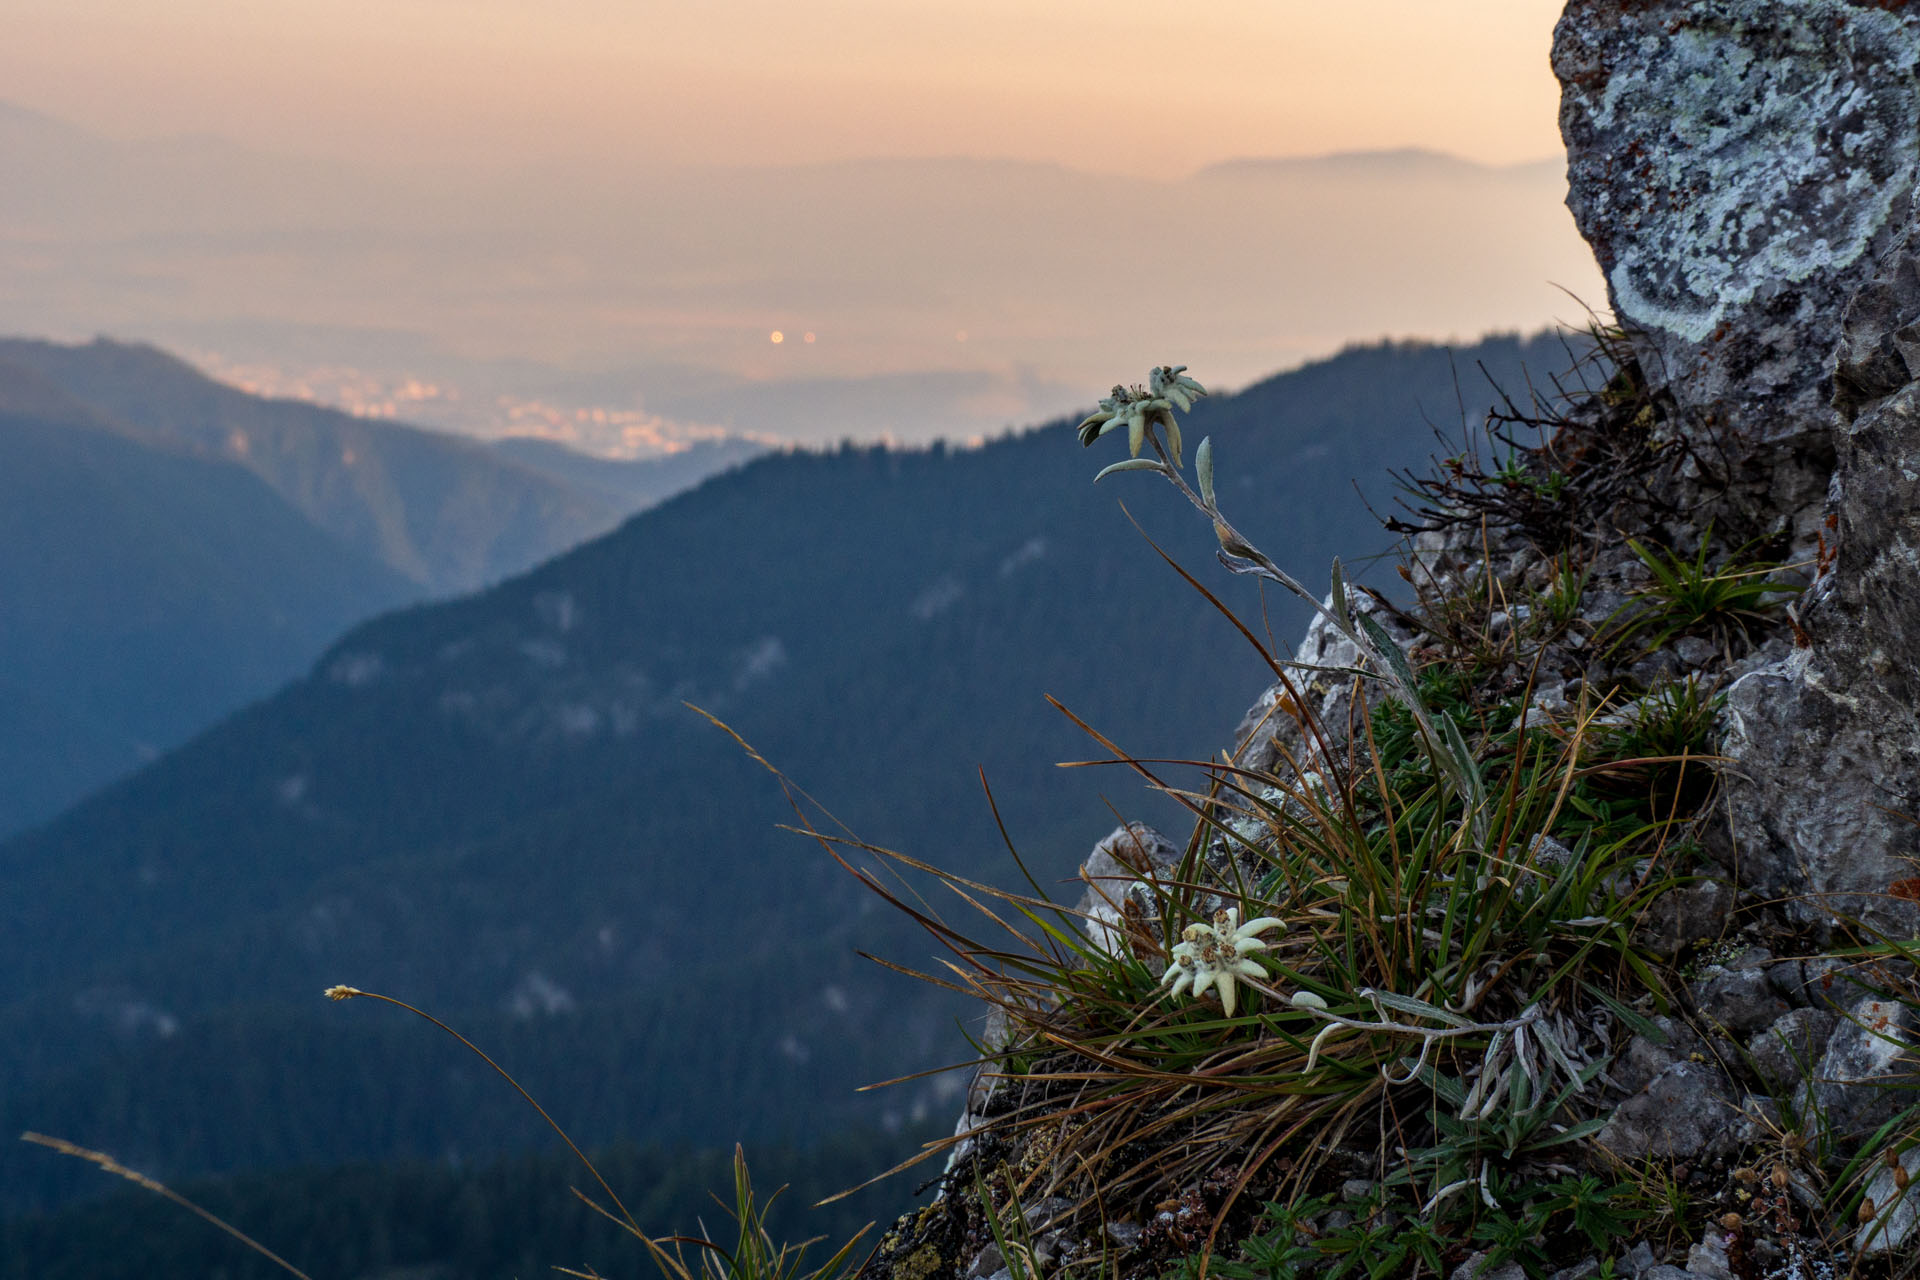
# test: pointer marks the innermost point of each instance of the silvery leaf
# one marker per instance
(1129, 464)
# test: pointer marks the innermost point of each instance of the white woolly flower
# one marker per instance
(1213, 955)
(1140, 408)
(1167, 383)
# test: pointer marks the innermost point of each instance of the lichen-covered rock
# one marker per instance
(1737, 165)
(1745, 171)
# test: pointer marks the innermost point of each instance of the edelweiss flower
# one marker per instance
(1216, 954)
(1099, 422)
(1167, 383)
(1134, 410)
(1138, 409)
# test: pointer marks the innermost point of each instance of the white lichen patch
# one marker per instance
(1757, 143)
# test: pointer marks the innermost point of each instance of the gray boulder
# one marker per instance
(1737, 996)
(1868, 1072)
(1787, 1052)
(1681, 1115)
(1827, 740)
(1895, 1222)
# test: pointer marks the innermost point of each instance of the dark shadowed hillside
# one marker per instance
(144, 592)
(500, 807)
(446, 512)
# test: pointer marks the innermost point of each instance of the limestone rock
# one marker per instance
(1868, 1072)
(1128, 853)
(1826, 741)
(1681, 1115)
(1644, 1058)
(1113, 873)
(1896, 1216)
(1480, 1266)
(1636, 1261)
(1708, 1259)
(1585, 1269)
(1737, 165)
(1737, 994)
(1786, 1052)
(1266, 731)
(1820, 981)
(1681, 917)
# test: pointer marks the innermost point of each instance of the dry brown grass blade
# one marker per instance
(928, 1150)
(108, 1164)
(1121, 757)
(1041, 903)
(1279, 671)
(1278, 667)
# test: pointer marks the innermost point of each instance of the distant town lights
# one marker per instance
(776, 337)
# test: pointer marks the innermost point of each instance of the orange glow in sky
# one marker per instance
(1126, 86)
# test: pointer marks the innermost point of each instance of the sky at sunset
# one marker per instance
(635, 197)
(1134, 86)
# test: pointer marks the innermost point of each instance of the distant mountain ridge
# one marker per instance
(630, 485)
(501, 807)
(1399, 162)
